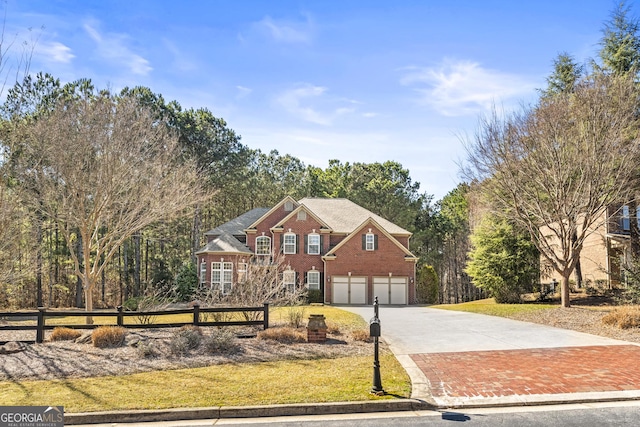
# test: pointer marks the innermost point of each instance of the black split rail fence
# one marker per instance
(196, 318)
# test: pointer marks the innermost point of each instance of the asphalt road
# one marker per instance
(578, 415)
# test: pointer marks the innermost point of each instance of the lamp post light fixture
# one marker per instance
(374, 332)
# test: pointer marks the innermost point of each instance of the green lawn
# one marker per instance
(490, 307)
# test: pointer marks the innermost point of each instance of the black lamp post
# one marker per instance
(374, 331)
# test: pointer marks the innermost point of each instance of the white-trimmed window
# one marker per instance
(242, 271)
(313, 244)
(313, 279)
(289, 243)
(263, 245)
(203, 272)
(221, 277)
(370, 242)
(288, 206)
(289, 280)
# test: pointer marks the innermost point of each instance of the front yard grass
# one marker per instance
(300, 381)
(490, 307)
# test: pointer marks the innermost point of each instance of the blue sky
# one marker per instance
(359, 81)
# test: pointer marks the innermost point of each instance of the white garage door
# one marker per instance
(391, 290)
(349, 290)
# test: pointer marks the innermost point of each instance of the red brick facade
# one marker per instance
(342, 252)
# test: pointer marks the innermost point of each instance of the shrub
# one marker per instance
(623, 317)
(333, 328)
(427, 285)
(361, 335)
(108, 336)
(284, 335)
(221, 341)
(295, 315)
(186, 338)
(314, 296)
(147, 349)
(65, 334)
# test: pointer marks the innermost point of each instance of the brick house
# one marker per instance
(335, 246)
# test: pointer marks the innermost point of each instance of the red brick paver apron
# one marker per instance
(532, 371)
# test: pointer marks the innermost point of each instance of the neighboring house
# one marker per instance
(606, 249)
(335, 246)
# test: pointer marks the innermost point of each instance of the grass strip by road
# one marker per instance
(490, 307)
(300, 381)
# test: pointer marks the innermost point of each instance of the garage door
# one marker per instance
(349, 290)
(391, 290)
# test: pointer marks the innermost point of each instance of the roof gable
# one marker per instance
(295, 212)
(368, 223)
(272, 210)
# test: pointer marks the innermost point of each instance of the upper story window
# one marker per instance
(302, 215)
(263, 245)
(370, 242)
(313, 279)
(313, 244)
(289, 243)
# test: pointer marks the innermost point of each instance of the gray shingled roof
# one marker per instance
(236, 226)
(343, 216)
(225, 243)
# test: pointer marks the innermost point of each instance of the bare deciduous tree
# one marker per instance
(556, 167)
(105, 169)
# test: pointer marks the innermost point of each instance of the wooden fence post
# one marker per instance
(196, 314)
(120, 316)
(40, 327)
(266, 315)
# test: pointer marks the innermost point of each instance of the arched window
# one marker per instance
(263, 245)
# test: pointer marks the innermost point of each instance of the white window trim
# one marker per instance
(309, 245)
(224, 281)
(370, 242)
(268, 251)
(316, 284)
(289, 280)
(290, 247)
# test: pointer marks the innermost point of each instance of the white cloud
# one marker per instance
(113, 47)
(54, 52)
(287, 32)
(243, 91)
(464, 87)
(314, 104)
(292, 101)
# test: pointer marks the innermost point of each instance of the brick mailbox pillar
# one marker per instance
(316, 329)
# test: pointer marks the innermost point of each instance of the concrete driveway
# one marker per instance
(457, 359)
(411, 330)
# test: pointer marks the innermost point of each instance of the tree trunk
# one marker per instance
(564, 291)
(79, 279)
(136, 265)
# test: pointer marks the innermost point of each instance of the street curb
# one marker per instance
(217, 412)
